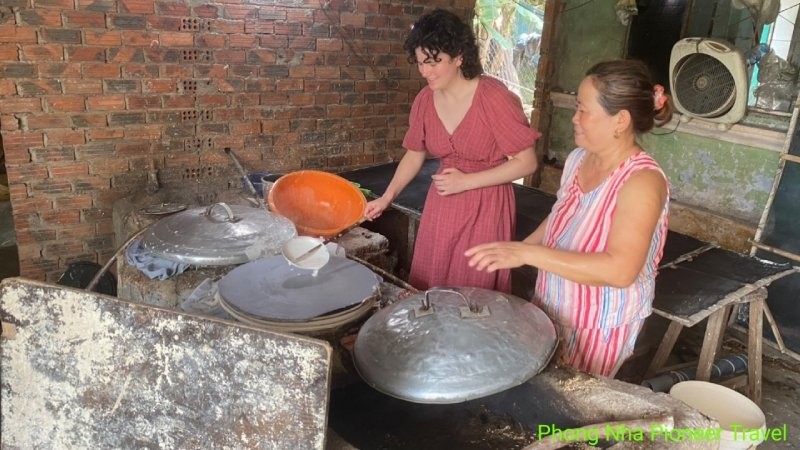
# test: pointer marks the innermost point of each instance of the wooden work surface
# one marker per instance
(84, 370)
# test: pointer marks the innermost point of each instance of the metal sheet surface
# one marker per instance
(452, 352)
(83, 370)
(270, 288)
(218, 235)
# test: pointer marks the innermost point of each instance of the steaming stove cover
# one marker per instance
(465, 344)
(272, 289)
(218, 235)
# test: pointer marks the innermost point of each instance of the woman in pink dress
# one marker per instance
(479, 132)
(598, 250)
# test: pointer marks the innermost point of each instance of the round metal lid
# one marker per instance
(272, 289)
(160, 209)
(466, 344)
(218, 235)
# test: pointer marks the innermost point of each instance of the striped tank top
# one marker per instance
(582, 222)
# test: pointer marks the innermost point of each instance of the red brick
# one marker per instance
(131, 148)
(104, 38)
(177, 71)
(211, 40)
(9, 52)
(68, 171)
(275, 126)
(34, 236)
(139, 71)
(161, 23)
(355, 20)
(83, 86)
(303, 99)
(39, 87)
(51, 186)
(26, 253)
(65, 103)
(239, 129)
(140, 38)
(60, 70)
(95, 184)
(59, 4)
(108, 167)
(143, 132)
(40, 17)
(212, 100)
(20, 105)
(84, 19)
(226, 26)
(44, 121)
(26, 174)
(327, 98)
(95, 54)
(31, 205)
(230, 56)
(57, 248)
(75, 201)
(176, 39)
(258, 26)
(206, 11)
(89, 120)
(79, 232)
(243, 40)
(101, 70)
(181, 160)
(99, 134)
(240, 12)
(172, 8)
(64, 137)
(137, 6)
(127, 54)
(276, 42)
(9, 123)
(290, 85)
(179, 101)
(301, 72)
(144, 102)
(52, 154)
(17, 35)
(106, 102)
(159, 86)
(7, 88)
(329, 45)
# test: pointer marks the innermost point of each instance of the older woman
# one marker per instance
(598, 250)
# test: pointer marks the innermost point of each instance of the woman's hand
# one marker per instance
(450, 181)
(376, 207)
(498, 255)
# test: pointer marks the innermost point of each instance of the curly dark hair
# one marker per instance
(441, 31)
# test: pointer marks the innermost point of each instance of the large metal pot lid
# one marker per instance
(218, 235)
(449, 345)
(270, 288)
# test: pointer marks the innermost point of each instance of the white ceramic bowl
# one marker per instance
(296, 247)
(731, 409)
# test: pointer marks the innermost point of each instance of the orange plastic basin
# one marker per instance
(320, 204)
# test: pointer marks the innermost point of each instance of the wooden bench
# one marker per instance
(709, 284)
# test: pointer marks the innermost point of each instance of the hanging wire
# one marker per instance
(677, 124)
(578, 6)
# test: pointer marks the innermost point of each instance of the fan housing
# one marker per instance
(708, 80)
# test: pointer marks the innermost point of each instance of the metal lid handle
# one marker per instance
(231, 217)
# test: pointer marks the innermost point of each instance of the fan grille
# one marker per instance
(704, 86)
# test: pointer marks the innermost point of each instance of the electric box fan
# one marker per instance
(708, 79)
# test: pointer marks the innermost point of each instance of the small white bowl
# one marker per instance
(296, 247)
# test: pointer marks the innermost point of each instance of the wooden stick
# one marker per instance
(776, 181)
(791, 158)
(777, 251)
(599, 430)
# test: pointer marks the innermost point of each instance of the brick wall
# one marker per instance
(94, 93)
